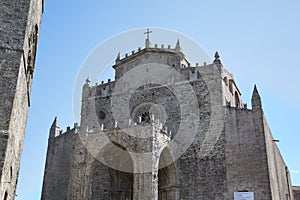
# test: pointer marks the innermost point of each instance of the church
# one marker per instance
(165, 129)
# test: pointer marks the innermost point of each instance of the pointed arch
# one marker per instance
(167, 176)
(115, 178)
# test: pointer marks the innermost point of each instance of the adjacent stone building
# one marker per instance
(296, 191)
(19, 31)
(164, 129)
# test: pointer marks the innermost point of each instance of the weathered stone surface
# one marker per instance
(296, 192)
(19, 29)
(232, 150)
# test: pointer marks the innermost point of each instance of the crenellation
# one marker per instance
(232, 149)
(103, 90)
(162, 48)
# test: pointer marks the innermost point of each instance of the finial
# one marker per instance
(255, 92)
(255, 89)
(217, 58)
(54, 123)
(118, 57)
(54, 130)
(256, 100)
(147, 41)
(177, 47)
(88, 80)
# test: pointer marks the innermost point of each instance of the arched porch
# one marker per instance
(113, 180)
(167, 177)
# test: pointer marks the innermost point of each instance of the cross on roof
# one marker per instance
(148, 32)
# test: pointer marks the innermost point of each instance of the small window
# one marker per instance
(230, 86)
(146, 117)
(237, 100)
(225, 80)
(5, 196)
(11, 173)
(102, 114)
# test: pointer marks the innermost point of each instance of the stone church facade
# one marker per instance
(19, 30)
(134, 140)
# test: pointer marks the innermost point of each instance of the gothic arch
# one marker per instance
(115, 184)
(167, 176)
(145, 109)
(142, 110)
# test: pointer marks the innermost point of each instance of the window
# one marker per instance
(11, 173)
(230, 86)
(237, 100)
(225, 80)
(101, 114)
(5, 196)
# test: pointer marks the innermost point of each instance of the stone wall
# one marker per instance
(231, 93)
(246, 158)
(232, 149)
(279, 174)
(74, 171)
(296, 192)
(19, 29)
(58, 173)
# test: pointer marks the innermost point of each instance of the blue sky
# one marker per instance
(258, 42)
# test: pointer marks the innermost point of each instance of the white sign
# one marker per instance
(243, 195)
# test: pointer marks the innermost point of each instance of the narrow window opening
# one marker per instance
(5, 196)
(11, 173)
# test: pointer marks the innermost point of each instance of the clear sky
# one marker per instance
(258, 42)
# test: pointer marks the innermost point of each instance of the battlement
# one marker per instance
(139, 129)
(55, 131)
(136, 127)
(159, 49)
(150, 54)
(97, 99)
(231, 92)
(105, 89)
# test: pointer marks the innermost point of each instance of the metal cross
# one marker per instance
(148, 32)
